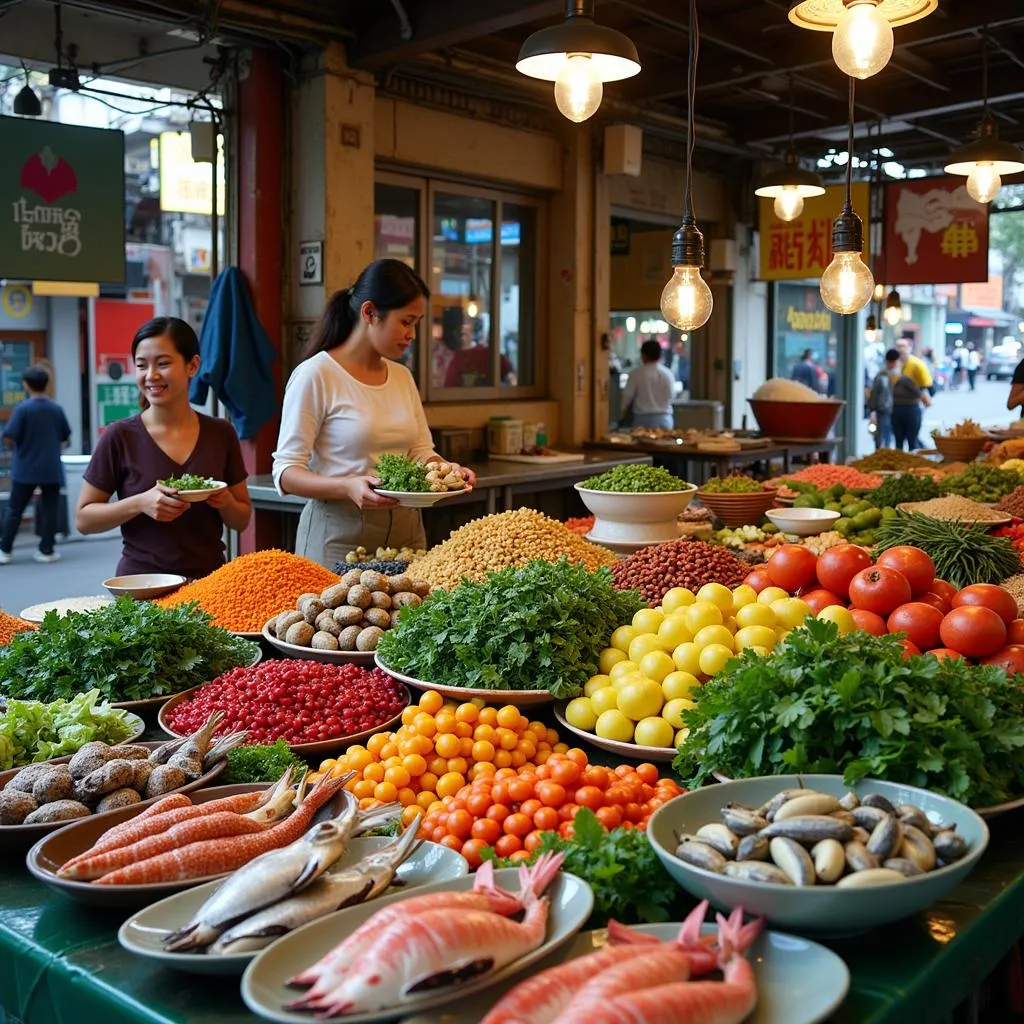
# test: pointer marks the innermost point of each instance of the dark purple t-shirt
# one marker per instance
(128, 461)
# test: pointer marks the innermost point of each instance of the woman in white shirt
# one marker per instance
(649, 389)
(348, 402)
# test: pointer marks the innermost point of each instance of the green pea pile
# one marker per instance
(735, 483)
(981, 482)
(635, 478)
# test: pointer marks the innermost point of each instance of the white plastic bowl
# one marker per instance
(145, 585)
(804, 522)
(646, 517)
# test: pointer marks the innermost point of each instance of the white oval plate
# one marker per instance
(143, 933)
(201, 494)
(419, 499)
(63, 605)
(798, 981)
(634, 751)
(521, 698)
(264, 984)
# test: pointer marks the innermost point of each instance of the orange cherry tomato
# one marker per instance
(566, 830)
(498, 812)
(471, 851)
(610, 817)
(520, 789)
(452, 842)
(530, 807)
(439, 833)
(551, 794)
(487, 830)
(632, 812)
(596, 775)
(520, 856)
(589, 796)
(533, 840)
(568, 811)
(517, 825)
(648, 772)
(499, 791)
(546, 819)
(477, 804)
(508, 845)
(460, 823)
(565, 773)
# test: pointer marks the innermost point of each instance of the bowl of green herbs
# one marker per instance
(190, 487)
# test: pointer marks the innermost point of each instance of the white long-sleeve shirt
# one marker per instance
(649, 388)
(336, 425)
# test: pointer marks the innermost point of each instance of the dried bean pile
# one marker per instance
(1013, 503)
(677, 563)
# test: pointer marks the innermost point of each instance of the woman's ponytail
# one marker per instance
(335, 323)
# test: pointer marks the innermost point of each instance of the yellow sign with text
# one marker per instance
(187, 186)
(802, 248)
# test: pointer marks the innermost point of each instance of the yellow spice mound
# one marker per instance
(246, 592)
(509, 538)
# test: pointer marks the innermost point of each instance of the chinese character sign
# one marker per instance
(802, 248)
(61, 202)
(935, 233)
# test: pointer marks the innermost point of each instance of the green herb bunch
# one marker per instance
(260, 763)
(127, 650)
(981, 482)
(894, 490)
(853, 704)
(541, 627)
(189, 482)
(963, 553)
(629, 882)
(735, 483)
(399, 473)
(635, 478)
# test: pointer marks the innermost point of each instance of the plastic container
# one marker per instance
(504, 435)
(529, 435)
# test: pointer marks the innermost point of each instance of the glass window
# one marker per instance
(396, 236)
(517, 311)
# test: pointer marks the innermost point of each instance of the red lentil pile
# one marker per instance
(11, 624)
(655, 570)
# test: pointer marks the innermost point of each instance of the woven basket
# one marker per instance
(735, 510)
(959, 449)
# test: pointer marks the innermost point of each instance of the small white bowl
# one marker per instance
(804, 522)
(201, 494)
(145, 585)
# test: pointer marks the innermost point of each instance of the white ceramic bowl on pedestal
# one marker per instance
(635, 519)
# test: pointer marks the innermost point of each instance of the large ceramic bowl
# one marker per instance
(735, 510)
(144, 586)
(635, 518)
(822, 909)
(798, 421)
(959, 449)
(803, 522)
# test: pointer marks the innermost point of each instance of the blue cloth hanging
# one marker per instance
(236, 356)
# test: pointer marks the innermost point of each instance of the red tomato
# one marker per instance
(973, 630)
(869, 621)
(935, 600)
(759, 580)
(988, 595)
(909, 649)
(943, 589)
(837, 566)
(945, 652)
(879, 590)
(919, 621)
(914, 563)
(1015, 632)
(1010, 659)
(820, 598)
(791, 567)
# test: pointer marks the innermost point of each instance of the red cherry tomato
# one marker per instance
(914, 563)
(869, 622)
(988, 595)
(759, 580)
(1010, 659)
(879, 590)
(1015, 632)
(837, 566)
(791, 567)
(935, 600)
(909, 649)
(821, 598)
(973, 630)
(943, 589)
(945, 652)
(919, 621)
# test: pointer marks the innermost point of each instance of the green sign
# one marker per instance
(115, 402)
(61, 202)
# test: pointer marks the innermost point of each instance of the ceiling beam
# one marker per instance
(437, 24)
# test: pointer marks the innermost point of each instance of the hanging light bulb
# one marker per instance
(879, 292)
(789, 204)
(871, 331)
(472, 308)
(686, 301)
(578, 88)
(862, 42)
(893, 308)
(984, 183)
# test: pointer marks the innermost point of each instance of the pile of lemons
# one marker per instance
(654, 664)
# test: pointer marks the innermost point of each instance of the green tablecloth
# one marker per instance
(60, 962)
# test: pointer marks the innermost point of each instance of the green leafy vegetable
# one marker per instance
(127, 650)
(399, 473)
(260, 763)
(541, 627)
(621, 867)
(635, 478)
(31, 730)
(897, 489)
(189, 482)
(821, 702)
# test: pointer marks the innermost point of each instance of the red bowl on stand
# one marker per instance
(810, 421)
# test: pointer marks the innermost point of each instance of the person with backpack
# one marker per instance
(880, 401)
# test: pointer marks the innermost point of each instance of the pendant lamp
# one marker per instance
(893, 308)
(686, 301)
(871, 329)
(847, 283)
(988, 157)
(579, 56)
(27, 103)
(861, 29)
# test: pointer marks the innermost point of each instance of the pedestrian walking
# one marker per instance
(973, 365)
(38, 430)
(880, 400)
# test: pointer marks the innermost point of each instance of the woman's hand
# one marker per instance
(360, 491)
(159, 503)
(469, 476)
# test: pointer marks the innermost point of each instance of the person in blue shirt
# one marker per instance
(38, 430)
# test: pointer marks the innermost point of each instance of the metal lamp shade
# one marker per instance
(789, 175)
(544, 53)
(1004, 156)
(824, 15)
(27, 104)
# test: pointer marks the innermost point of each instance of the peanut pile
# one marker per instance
(655, 570)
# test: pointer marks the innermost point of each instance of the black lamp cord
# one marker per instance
(848, 205)
(691, 89)
(791, 112)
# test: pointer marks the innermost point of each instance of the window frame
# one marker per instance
(427, 188)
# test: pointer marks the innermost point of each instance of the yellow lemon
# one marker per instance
(595, 683)
(629, 677)
(714, 635)
(717, 594)
(701, 614)
(673, 632)
(644, 644)
(731, 624)
(657, 665)
(604, 700)
(614, 725)
(781, 632)
(610, 656)
(755, 615)
(687, 658)
(654, 732)
(761, 652)
(679, 684)
(743, 595)
(840, 616)
(713, 658)
(790, 612)
(755, 636)
(676, 598)
(681, 735)
(623, 637)
(672, 712)
(623, 668)
(647, 620)
(640, 699)
(580, 714)
(770, 594)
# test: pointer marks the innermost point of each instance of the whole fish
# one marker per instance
(274, 875)
(332, 891)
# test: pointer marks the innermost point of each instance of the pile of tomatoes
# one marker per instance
(899, 593)
(510, 810)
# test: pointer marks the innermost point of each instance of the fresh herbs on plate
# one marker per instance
(189, 482)
(400, 473)
(260, 762)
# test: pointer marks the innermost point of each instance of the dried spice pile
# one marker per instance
(1013, 503)
(10, 625)
(955, 508)
(677, 563)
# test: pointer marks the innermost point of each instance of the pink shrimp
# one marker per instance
(546, 996)
(218, 856)
(434, 950)
(329, 971)
(729, 1001)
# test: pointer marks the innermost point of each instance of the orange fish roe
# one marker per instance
(248, 591)
(826, 474)
(11, 624)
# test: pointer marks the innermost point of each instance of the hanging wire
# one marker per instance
(848, 205)
(691, 89)
(790, 111)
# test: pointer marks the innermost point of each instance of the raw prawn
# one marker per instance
(329, 971)
(217, 856)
